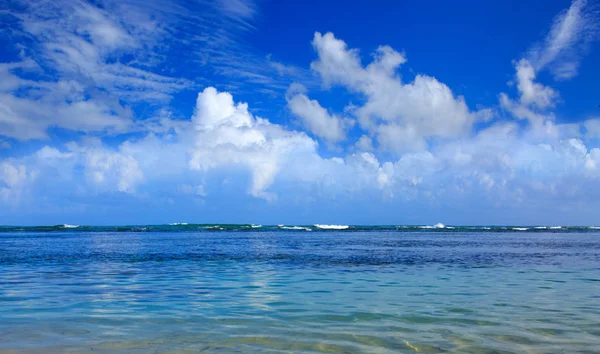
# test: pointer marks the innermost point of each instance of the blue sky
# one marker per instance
(384, 112)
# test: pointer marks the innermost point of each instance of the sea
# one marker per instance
(189, 288)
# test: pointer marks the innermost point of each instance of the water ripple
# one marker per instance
(330, 292)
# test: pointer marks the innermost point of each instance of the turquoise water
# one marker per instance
(268, 289)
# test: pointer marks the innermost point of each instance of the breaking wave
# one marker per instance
(304, 228)
(439, 225)
(67, 226)
(331, 227)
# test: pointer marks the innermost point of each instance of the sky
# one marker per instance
(299, 112)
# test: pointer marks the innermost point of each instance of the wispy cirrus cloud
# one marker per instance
(101, 59)
(571, 33)
(560, 53)
(75, 73)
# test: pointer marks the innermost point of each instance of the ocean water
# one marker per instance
(243, 289)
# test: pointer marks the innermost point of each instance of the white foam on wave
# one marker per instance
(283, 227)
(67, 226)
(178, 223)
(555, 227)
(520, 228)
(212, 227)
(255, 226)
(439, 225)
(594, 227)
(331, 227)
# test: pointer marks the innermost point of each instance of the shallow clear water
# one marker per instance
(335, 292)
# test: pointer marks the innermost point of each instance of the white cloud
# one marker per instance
(83, 169)
(219, 48)
(415, 111)
(227, 134)
(197, 190)
(107, 169)
(533, 93)
(399, 138)
(592, 128)
(330, 128)
(12, 175)
(521, 111)
(409, 171)
(592, 161)
(94, 61)
(238, 9)
(571, 31)
(103, 166)
(82, 40)
(365, 143)
(83, 83)
(535, 98)
(13, 178)
(569, 36)
(99, 26)
(27, 118)
(337, 64)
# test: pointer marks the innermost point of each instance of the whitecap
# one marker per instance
(555, 227)
(67, 226)
(520, 228)
(295, 228)
(178, 223)
(331, 227)
(439, 225)
(255, 226)
(425, 227)
(594, 227)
